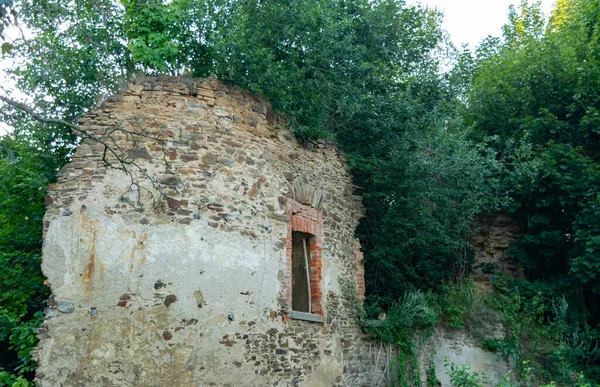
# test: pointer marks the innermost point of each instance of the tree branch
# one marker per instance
(113, 149)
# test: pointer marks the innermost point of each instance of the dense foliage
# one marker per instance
(513, 126)
(540, 86)
(27, 166)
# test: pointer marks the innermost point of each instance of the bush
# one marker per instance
(461, 375)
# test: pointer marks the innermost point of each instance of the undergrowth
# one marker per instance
(533, 337)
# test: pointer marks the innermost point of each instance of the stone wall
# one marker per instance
(494, 234)
(175, 271)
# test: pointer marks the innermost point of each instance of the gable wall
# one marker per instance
(175, 273)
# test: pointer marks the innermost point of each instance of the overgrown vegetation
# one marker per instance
(513, 126)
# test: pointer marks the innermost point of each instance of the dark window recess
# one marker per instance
(300, 272)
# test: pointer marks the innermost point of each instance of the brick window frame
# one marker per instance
(308, 220)
(360, 271)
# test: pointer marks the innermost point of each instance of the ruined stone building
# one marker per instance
(222, 255)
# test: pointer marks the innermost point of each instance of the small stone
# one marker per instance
(158, 285)
(66, 213)
(66, 307)
(253, 191)
(259, 108)
(170, 181)
(226, 161)
(289, 176)
(227, 343)
(215, 207)
(199, 298)
(172, 203)
(309, 145)
(188, 158)
(171, 298)
(167, 335)
(209, 159)
(139, 153)
(197, 105)
(196, 216)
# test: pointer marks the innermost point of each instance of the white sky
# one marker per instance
(470, 21)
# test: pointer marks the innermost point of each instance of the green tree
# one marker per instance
(540, 87)
(27, 166)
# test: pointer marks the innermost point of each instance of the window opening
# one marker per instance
(301, 292)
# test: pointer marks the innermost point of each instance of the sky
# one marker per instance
(470, 21)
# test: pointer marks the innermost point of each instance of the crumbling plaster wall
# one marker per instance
(174, 274)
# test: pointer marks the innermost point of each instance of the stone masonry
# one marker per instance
(176, 270)
(495, 233)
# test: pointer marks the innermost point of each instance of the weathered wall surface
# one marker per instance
(495, 234)
(448, 346)
(176, 275)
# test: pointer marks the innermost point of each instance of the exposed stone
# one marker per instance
(199, 298)
(188, 158)
(139, 153)
(495, 234)
(171, 298)
(170, 181)
(66, 306)
(172, 203)
(226, 161)
(210, 159)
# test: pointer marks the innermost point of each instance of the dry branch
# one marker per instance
(110, 146)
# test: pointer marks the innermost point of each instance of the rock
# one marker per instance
(171, 181)
(66, 307)
(210, 159)
(199, 298)
(226, 161)
(172, 203)
(139, 153)
(171, 298)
